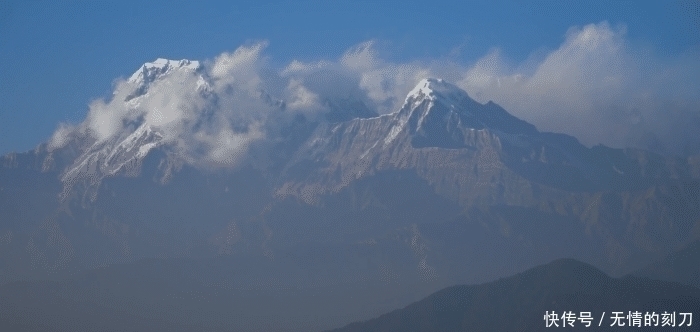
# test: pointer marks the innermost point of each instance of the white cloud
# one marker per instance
(240, 69)
(595, 86)
(300, 98)
(298, 67)
(61, 136)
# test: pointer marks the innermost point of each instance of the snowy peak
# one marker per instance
(152, 70)
(436, 89)
(436, 109)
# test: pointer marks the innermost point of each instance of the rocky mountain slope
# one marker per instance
(442, 191)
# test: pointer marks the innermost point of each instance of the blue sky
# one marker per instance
(56, 57)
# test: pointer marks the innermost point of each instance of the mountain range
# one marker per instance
(443, 191)
(564, 287)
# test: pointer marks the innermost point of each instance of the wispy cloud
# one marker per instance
(597, 87)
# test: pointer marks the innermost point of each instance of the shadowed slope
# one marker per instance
(519, 303)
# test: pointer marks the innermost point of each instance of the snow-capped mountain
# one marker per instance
(122, 152)
(405, 197)
(150, 71)
(148, 112)
(433, 100)
(480, 150)
(153, 71)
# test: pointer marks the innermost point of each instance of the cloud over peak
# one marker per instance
(595, 86)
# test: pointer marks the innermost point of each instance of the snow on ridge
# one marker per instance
(436, 89)
(151, 70)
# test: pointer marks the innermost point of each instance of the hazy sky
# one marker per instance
(609, 63)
